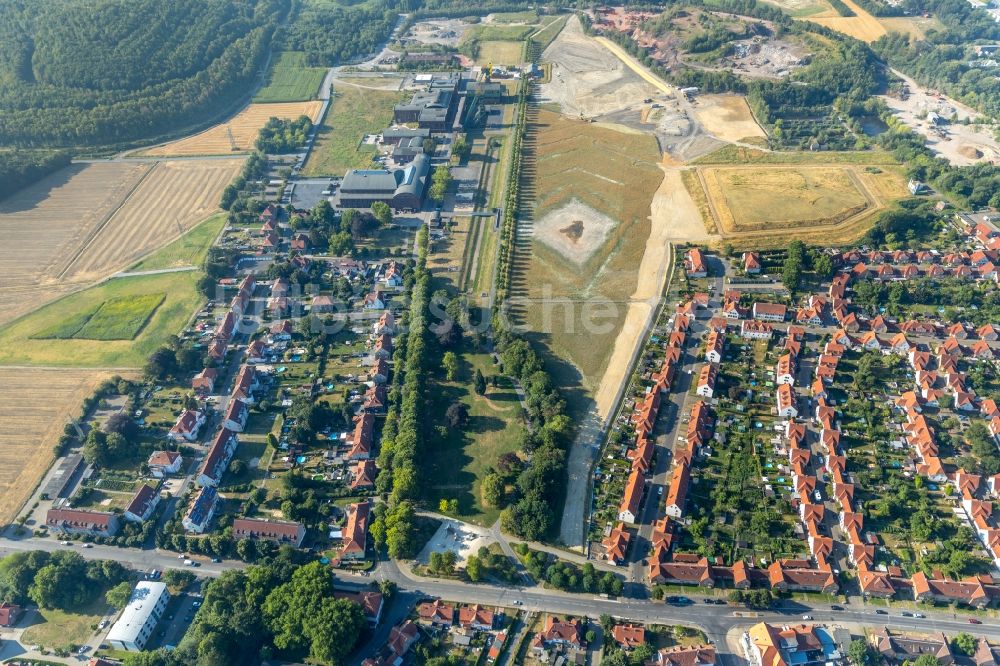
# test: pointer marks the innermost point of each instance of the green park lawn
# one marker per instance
(188, 250)
(20, 342)
(58, 628)
(291, 80)
(462, 458)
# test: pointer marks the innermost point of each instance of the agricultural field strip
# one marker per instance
(169, 201)
(96, 231)
(37, 403)
(236, 134)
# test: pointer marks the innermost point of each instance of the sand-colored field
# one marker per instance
(779, 198)
(171, 199)
(598, 183)
(37, 404)
(237, 134)
(916, 26)
(587, 79)
(89, 221)
(44, 226)
(674, 217)
(727, 117)
(861, 26)
(766, 205)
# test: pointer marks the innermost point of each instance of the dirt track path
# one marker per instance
(674, 217)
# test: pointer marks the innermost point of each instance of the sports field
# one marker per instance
(21, 342)
(236, 135)
(353, 113)
(37, 404)
(290, 80)
(766, 205)
(500, 53)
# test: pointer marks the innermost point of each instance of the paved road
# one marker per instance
(716, 621)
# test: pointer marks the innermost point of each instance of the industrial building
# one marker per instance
(400, 188)
(433, 108)
(138, 621)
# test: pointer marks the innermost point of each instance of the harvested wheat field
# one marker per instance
(45, 225)
(861, 26)
(37, 404)
(727, 117)
(238, 134)
(170, 200)
(89, 221)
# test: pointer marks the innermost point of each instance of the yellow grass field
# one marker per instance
(862, 26)
(89, 221)
(238, 134)
(500, 53)
(760, 199)
(765, 205)
(37, 404)
(44, 225)
(727, 117)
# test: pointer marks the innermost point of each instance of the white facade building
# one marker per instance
(138, 621)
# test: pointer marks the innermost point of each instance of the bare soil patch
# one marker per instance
(587, 80)
(959, 143)
(441, 32)
(574, 230)
(727, 117)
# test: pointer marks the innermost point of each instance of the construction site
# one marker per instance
(752, 51)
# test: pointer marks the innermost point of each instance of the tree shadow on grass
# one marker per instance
(564, 374)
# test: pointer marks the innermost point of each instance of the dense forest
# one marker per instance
(330, 33)
(20, 168)
(941, 60)
(109, 72)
